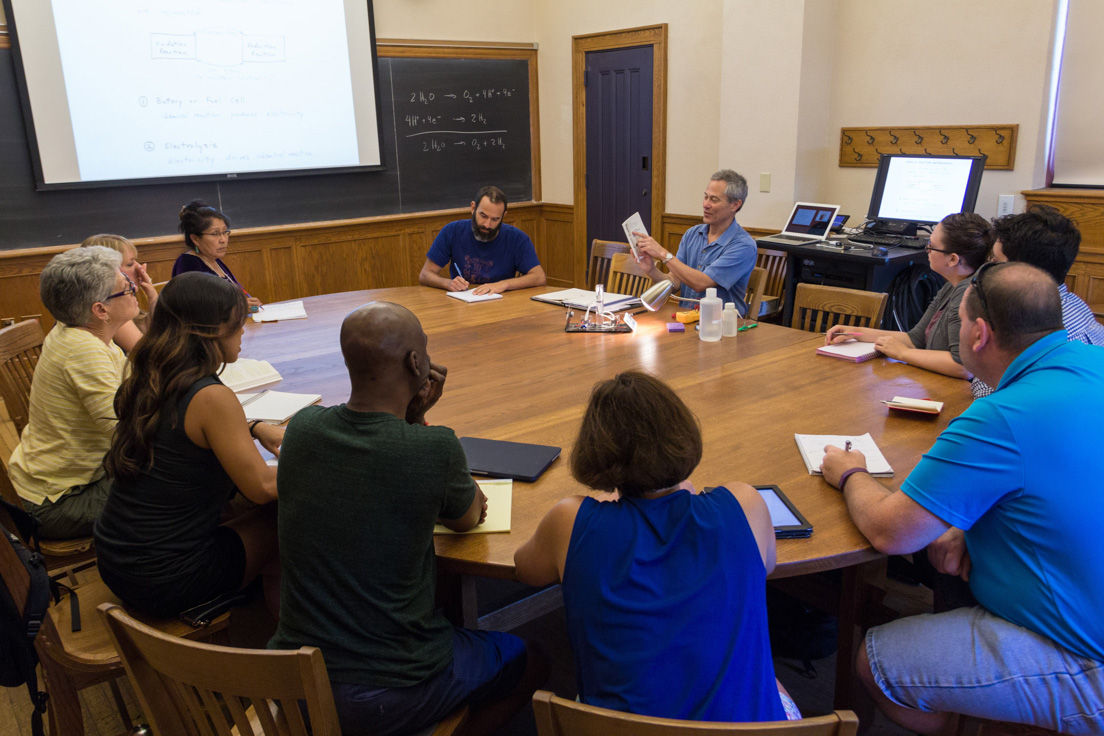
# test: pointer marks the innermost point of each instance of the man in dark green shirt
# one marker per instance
(361, 486)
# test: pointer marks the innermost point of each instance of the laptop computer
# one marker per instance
(808, 223)
(502, 459)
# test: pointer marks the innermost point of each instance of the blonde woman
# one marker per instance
(129, 333)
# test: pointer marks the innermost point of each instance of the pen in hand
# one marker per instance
(847, 446)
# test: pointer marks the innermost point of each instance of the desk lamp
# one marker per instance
(655, 295)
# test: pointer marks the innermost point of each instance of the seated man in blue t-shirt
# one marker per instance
(716, 254)
(484, 252)
(1009, 499)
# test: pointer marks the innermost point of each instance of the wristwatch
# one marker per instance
(668, 258)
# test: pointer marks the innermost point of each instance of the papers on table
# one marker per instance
(275, 406)
(283, 310)
(245, 373)
(852, 350)
(469, 297)
(584, 298)
(924, 406)
(811, 447)
(500, 498)
(634, 225)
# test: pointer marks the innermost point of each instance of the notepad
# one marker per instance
(469, 297)
(635, 224)
(811, 447)
(246, 373)
(924, 406)
(275, 406)
(277, 312)
(852, 350)
(500, 499)
(583, 298)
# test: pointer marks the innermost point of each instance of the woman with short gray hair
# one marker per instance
(57, 468)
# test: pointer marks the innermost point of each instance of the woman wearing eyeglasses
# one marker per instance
(128, 335)
(206, 239)
(57, 468)
(958, 246)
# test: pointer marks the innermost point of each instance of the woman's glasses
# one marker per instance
(130, 289)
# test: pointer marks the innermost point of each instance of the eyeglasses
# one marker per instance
(217, 233)
(130, 289)
(929, 248)
(976, 283)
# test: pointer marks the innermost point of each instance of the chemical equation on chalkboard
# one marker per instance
(416, 121)
(438, 145)
(425, 98)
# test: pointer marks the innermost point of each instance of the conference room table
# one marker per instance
(515, 374)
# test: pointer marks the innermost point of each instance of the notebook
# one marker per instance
(811, 447)
(500, 500)
(583, 298)
(469, 297)
(924, 406)
(502, 459)
(852, 350)
(808, 223)
(246, 373)
(277, 312)
(275, 406)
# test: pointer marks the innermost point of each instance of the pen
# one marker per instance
(457, 269)
(745, 328)
(248, 296)
(847, 446)
(639, 311)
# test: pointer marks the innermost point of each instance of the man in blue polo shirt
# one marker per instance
(716, 254)
(1009, 499)
(483, 252)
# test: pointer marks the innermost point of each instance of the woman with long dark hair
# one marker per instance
(181, 447)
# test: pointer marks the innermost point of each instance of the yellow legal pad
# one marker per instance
(500, 498)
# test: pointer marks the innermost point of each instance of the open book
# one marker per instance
(275, 407)
(583, 298)
(500, 499)
(245, 373)
(811, 447)
(852, 350)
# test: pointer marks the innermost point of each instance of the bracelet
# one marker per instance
(848, 473)
(253, 424)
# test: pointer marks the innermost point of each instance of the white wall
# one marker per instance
(456, 20)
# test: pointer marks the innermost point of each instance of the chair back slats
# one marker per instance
(626, 276)
(754, 298)
(817, 308)
(774, 262)
(189, 688)
(561, 717)
(20, 348)
(601, 256)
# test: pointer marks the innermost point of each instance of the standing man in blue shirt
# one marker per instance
(484, 252)
(716, 254)
(1009, 499)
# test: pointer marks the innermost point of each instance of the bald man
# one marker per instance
(361, 486)
(1009, 498)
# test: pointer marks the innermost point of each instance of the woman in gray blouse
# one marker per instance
(958, 246)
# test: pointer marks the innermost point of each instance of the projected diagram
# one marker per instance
(218, 47)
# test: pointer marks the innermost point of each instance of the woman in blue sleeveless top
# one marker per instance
(664, 587)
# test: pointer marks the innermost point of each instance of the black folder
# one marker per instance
(502, 459)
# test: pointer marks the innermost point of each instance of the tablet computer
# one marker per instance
(787, 520)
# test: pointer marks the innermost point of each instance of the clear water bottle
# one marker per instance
(730, 320)
(710, 317)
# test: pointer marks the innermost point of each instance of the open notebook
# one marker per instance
(500, 499)
(811, 447)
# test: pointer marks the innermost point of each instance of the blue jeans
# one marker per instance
(486, 666)
(972, 662)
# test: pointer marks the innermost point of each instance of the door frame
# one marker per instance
(656, 37)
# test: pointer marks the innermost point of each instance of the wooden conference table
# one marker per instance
(514, 374)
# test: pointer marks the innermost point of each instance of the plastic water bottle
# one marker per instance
(710, 317)
(730, 320)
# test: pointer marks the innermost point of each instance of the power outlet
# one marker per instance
(1005, 204)
(764, 182)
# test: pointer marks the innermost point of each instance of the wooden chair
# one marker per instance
(561, 717)
(601, 258)
(774, 291)
(20, 348)
(626, 276)
(73, 660)
(816, 307)
(62, 556)
(754, 299)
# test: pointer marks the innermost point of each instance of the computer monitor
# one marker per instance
(910, 191)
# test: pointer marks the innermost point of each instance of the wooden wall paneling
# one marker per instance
(556, 245)
(285, 274)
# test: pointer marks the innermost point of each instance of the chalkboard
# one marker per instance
(450, 126)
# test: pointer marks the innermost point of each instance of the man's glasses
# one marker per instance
(130, 289)
(217, 233)
(976, 283)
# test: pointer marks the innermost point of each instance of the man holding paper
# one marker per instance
(361, 486)
(485, 254)
(716, 254)
(1009, 499)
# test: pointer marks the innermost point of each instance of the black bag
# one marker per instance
(18, 628)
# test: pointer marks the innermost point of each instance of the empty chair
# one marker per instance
(774, 290)
(816, 308)
(601, 257)
(560, 717)
(626, 276)
(20, 348)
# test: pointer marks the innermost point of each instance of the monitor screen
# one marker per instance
(810, 219)
(922, 190)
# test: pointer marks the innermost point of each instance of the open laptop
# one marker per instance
(808, 223)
